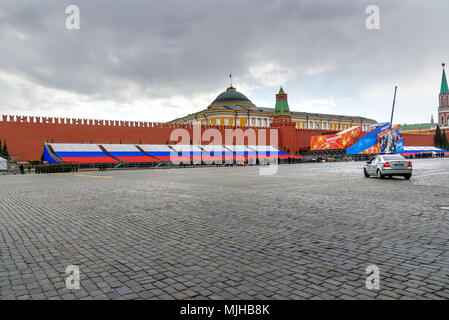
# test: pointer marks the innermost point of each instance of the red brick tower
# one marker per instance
(282, 120)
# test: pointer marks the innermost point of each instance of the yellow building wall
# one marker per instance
(300, 124)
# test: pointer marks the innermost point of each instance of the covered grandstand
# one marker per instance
(127, 153)
(164, 153)
(192, 153)
(219, 153)
(425, 150)
(157, 154)
(79, 153)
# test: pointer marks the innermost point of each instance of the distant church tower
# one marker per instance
(443, 109)
(282, 120)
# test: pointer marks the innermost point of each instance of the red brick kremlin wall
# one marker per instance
(25, 136)
(418, 139)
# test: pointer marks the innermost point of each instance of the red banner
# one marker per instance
(335, 141)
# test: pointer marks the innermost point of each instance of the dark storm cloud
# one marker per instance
(164, 48)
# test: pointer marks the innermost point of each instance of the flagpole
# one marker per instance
(390, 137)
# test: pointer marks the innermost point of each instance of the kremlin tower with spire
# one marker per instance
(443, 113)
(282, 120)
(443, 108)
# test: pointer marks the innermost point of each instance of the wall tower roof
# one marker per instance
(444, 88)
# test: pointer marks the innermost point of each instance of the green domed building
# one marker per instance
(233, 108)
(231, 97)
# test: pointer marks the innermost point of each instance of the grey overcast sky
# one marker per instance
(157, 60)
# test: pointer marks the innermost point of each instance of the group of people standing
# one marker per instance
(56, 167)
(49, 168)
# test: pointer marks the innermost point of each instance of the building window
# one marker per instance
(211, 121)
(226, 121)
(258, 122)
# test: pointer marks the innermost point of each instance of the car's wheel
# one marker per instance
(407, 176)
(365, 173)
(379, 174)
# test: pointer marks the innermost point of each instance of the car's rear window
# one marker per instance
(391, 158)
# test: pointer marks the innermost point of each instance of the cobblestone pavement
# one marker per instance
(308, 232)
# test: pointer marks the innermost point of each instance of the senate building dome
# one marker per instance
(231, 97)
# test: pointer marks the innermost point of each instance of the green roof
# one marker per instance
(444, 88)
(281, 91)
(236, 107)
(416, 126)
(231, 95)
(281, 108)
